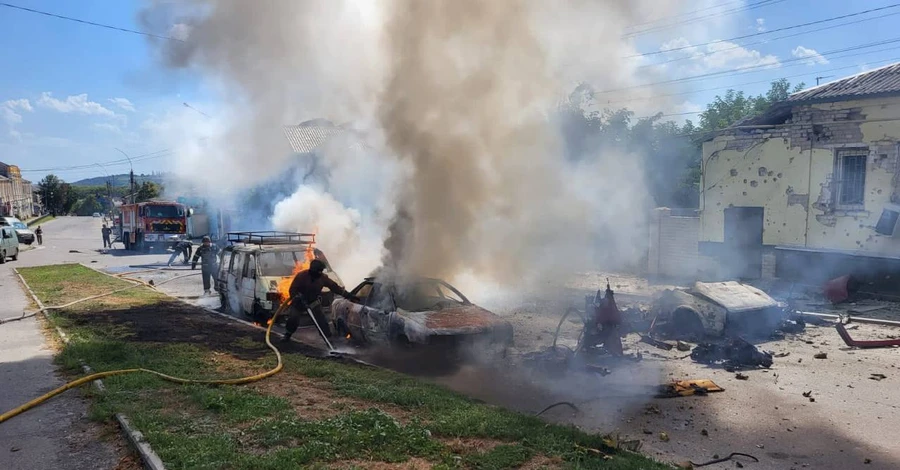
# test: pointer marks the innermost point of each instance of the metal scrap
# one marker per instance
(686, 388)
(887, 343)
(733, 354)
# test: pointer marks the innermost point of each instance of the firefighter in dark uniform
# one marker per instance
(305, 290)
(207, 256)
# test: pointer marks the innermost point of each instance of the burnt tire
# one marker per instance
(686, 324)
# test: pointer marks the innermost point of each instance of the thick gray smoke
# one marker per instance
(470, 178)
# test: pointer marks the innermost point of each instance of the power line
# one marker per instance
(741, 46)
(747, 69)
(826, 20)
(752, 6)
(91, 23)
(121, 161)
(687, 13)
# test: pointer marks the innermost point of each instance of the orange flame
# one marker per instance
(284, 286)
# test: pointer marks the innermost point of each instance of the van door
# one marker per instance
(248, 284)
(235, 267)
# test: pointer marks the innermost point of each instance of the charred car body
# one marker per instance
(416, 313)
(718, 309)
(256, 269)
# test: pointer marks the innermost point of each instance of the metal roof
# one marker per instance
(879, 82)
(310, 136)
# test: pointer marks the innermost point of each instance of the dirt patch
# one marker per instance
(471, 445)
(315, 400)
(171, 321)
(541, 462)
(411, 464)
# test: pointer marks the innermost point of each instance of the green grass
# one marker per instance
(40, 220)
(228, 427)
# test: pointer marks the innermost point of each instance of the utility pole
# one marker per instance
(130, 175)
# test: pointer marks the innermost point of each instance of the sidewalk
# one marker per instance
(56, 434)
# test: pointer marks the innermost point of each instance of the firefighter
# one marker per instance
(183, 247)
(207, 256)
(305, 290)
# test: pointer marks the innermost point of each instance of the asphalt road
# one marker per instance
(852, 420)
(56, 434)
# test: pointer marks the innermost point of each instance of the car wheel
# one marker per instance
(223, 302)
(686, 324)
(15, 257)
(2, 257)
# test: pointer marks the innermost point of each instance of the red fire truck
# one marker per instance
(145, 225)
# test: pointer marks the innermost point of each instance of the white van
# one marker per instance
(9, 244)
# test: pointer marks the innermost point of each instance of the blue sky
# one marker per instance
(70, 94)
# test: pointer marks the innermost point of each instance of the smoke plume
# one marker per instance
(469, 176)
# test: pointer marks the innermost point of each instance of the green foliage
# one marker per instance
(147, 191)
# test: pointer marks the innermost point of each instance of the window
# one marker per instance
(251, 267)
(850, 167)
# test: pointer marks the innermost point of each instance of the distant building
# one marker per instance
(16, 194)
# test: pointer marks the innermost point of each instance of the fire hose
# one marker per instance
(100, 375)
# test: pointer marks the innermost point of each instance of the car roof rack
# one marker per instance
(271, 237)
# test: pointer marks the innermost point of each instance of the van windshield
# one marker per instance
(280, 263)
(19, 225)
(164, 211)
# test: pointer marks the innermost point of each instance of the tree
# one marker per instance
(148, 190)
(50, 190)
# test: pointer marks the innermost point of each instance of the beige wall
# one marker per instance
(788, 171)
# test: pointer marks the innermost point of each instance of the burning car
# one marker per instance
(255, 271)
(420, 312)
(716, 309)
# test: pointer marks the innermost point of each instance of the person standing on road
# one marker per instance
(39, 233)
(207, 256)
(183, 247)
(305, 290)
(105, 231)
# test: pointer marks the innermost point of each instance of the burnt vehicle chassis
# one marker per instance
(452, 333)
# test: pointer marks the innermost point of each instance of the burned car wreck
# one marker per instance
(419, 313)
(719, 309)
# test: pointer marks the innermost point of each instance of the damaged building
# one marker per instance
(810, 189)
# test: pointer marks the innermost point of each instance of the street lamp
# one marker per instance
(131, 175)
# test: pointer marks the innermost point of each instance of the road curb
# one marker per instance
(148, 456)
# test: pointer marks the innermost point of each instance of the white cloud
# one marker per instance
(74, 104)
(8, 110)
(812, 57)
(22, 104)
(718, 55)
(122, 103)
(760, 25)
(180, 31)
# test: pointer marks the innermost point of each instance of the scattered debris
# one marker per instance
(870, 308)
(741, 376)
(663, 436)
(840, 289)
(716, 460)
(807, 394)
(14, 449)
(867, 461)
(877, 377)
(648, 432)
(820, 356)
(652, 409)
(842, 331)
(784, 354)
(74, 251)
(734, 354)
(657, 343)
(852, 327)
(566, 403)
(686, 388)
(704, 432)
(682, 346)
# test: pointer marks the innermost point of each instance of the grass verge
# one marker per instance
(315, 414)
(39, 220)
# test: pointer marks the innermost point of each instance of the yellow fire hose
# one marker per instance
(99, 375)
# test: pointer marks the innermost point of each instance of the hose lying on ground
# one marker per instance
(100, 375)
(139, 283)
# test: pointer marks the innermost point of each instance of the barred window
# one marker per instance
(850, 165)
